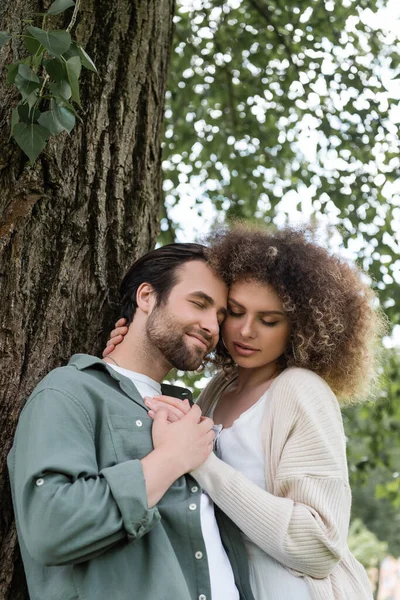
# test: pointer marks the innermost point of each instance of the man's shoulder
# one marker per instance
(70, 373)
(75, 379)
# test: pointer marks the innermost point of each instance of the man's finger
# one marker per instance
(156, 406)
(169, 402)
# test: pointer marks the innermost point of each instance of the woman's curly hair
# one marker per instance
(336, 325)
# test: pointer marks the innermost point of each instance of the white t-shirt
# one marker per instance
(221, 575)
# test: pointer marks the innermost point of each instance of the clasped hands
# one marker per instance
(181, 428)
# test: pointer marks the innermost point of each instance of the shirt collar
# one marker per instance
(86, 361)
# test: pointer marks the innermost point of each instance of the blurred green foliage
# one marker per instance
(268, 97)
(365, 546)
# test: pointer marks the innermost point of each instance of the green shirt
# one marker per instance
(83, 522)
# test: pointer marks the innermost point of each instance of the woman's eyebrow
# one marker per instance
(261, 312)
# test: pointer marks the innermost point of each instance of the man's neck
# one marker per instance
(135, 354)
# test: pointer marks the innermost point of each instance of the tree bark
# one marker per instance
(72, 224)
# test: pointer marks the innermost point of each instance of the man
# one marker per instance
(103, 505)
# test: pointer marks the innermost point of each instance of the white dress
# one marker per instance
(241, 447)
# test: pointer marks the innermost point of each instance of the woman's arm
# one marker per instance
(303, 524)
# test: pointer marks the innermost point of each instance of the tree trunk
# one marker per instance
(71, 224)
(378, 580)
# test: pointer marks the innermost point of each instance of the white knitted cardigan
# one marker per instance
(302, 520)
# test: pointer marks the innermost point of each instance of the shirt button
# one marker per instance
(192, 506)
(199, 555)
(194, 490)
(139, 423)
(39, 481)
(202, 597)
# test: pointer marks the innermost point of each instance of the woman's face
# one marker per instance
(256, 330)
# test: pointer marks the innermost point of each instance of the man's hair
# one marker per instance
(159, 268)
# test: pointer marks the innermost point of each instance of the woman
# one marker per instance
(300, 327)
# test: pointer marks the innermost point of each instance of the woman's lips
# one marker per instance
(244, 350)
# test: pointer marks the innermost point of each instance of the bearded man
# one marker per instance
(105, 507)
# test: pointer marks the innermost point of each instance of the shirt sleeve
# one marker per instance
(304, 523)
(67, 510)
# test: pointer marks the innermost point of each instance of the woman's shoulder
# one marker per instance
(302, 376)
(302, 387)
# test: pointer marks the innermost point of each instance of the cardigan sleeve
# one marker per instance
(303, 524)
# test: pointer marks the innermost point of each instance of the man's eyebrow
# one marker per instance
(210, 301)
(261, 312)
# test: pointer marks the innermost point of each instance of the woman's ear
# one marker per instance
(145, 297)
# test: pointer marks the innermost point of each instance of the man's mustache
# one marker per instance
(201, 333)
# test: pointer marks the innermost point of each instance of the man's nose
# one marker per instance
(211, 325)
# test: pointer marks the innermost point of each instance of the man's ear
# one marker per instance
(145, 297)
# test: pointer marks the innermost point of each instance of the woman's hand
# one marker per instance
(176, 408)
(116, 336)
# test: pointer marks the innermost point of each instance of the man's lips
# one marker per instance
(200, 339)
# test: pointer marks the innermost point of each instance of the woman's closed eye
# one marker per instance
(269, 323)
(232, 313)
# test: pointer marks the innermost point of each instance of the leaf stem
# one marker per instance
(75, 13)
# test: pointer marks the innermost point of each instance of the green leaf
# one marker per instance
(86, 60)
(73, 66)
(31, 139)
(60, 6)
(61, 90)
(12, 71)
(26, 81)
(26, 73)
(56, 42)
(14, 119)
(26, 115)
(32, 44)
(70, 107)
(65, 117)
(72, 51)
(32, 98)
(50, 122)
(56, 69)
(4, 38)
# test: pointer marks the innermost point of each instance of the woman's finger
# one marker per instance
(119, 331)
(120, 323)
(108, 349)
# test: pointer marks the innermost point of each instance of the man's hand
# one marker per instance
(175, 408)
(189, 440)
(116, 337)
(179, 448)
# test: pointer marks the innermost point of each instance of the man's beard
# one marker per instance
(167, 334)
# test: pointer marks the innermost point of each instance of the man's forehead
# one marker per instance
(197, 276)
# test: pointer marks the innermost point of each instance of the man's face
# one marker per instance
(186, 327)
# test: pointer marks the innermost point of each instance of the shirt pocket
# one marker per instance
(131, 436)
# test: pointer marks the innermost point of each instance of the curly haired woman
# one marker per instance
(300, 333)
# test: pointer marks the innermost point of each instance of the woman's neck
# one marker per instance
(247, 378)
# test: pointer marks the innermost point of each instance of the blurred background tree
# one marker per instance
(279, 108)
(281, 105)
